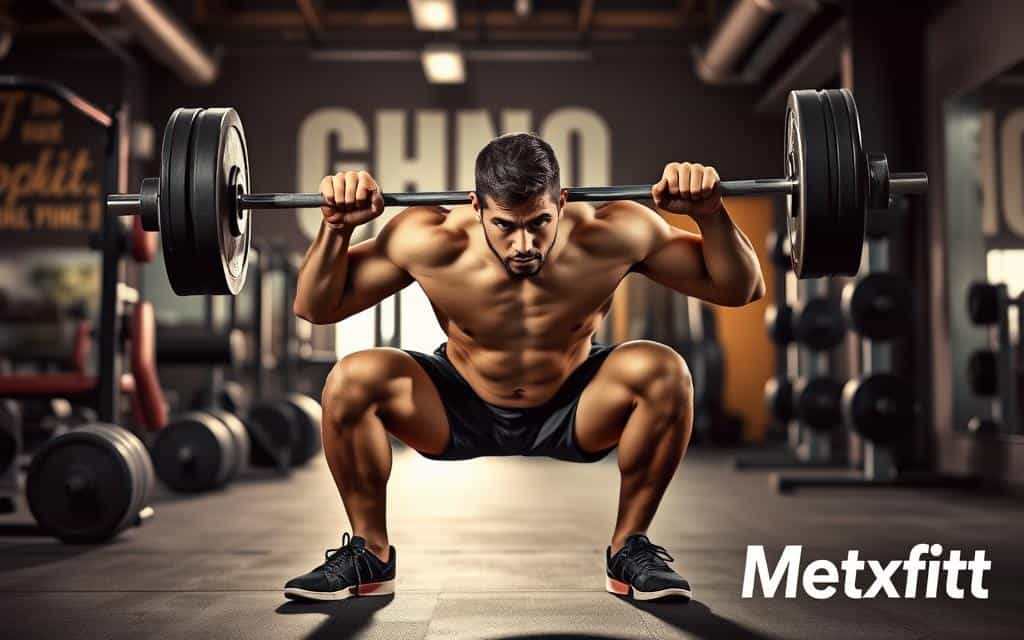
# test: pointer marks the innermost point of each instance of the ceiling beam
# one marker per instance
(586, 16)
(311, 16)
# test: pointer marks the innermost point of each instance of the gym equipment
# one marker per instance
(200, 204)
(243, 446)
(199, 345)
(778, 249)
(291, 424)
(878, 406)
(982, 426)
(309, 438)
(817, 402)
(778, 398)
(983, 305)
(195, 452)
(10, 437)
(231, 396)
(90, 483)
(818, 324)
(983, 372)
(778, 320)
(878, 306)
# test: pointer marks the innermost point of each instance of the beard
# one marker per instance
(518, 268)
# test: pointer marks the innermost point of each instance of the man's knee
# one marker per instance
(657, 375)
(356, 383)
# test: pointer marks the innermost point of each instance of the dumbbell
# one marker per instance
(878, 306)
(983, 372)
(778, 399)
(778, 249)
(288, 427)
(878, 406)
(818, 324)
(778, 321)
(817, 402)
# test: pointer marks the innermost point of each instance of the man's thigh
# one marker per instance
(411, 408)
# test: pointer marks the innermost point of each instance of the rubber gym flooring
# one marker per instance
(506, 548)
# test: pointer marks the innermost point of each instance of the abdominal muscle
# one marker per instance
(517, 375)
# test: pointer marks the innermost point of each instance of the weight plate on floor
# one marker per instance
(879, 406)
(273, 428)
(879, 305)
(194, 452)
(240, 435)
(309, 439)
(817, 402)
(232, 397)
(10, 432)
(219, 172)
(86, 485)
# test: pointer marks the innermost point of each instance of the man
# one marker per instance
(519, 281)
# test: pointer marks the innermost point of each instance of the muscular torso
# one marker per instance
(516, 341)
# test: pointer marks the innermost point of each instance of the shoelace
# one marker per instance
(645, 554)
(335, 559)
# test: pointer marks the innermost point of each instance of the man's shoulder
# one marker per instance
(622, 226)
(423, 234)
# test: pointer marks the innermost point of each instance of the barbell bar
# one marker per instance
(200, 204)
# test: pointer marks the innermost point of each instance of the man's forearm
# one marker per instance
(321, 280)
(729, 257)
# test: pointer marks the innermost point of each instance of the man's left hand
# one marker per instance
(688, 188)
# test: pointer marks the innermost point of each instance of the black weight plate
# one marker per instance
(809, 158)
(777, 245)
(851, 171)
(817, 402)
(241, 438)
(983, 372)
(778, 321)
(219, 173)
(194, 452)
(142, 469)
(778, 398)
(177, 235)
(879, 406)
(82, 485)
(879, 305)
(309, 439)
(818, 324)
(983, 303)
(273, 430)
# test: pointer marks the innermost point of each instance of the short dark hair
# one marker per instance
(516, 168)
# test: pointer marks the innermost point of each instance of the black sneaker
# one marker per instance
(351, 570)
(640, 570)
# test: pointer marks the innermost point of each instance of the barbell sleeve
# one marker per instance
(912, 182)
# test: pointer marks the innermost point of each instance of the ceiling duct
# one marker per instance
(751, 38)
(160, 32)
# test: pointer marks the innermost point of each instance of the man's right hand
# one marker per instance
(353, 198)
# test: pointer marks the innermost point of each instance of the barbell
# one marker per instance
(201, 203)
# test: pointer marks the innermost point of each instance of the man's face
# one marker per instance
(521, 237)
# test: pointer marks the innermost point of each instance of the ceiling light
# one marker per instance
(433, 15)
(443, 64)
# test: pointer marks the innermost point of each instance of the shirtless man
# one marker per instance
(519, 282)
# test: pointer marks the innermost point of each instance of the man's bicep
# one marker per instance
(675, 259)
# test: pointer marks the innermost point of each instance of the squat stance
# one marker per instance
(519, 281)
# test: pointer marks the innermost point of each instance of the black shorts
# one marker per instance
(482, 429)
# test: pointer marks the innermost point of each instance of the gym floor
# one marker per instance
(505, 548)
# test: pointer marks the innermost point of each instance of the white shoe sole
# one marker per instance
(369, 589)
(611, 585)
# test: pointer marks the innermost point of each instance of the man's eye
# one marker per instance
(540, 223)
(504, 226)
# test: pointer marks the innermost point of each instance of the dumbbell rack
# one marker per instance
(878, 464)
(1006, 413)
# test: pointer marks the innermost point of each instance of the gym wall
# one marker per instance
(968, 45)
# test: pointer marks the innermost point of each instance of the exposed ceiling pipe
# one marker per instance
(169, 41)
(750, 38)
